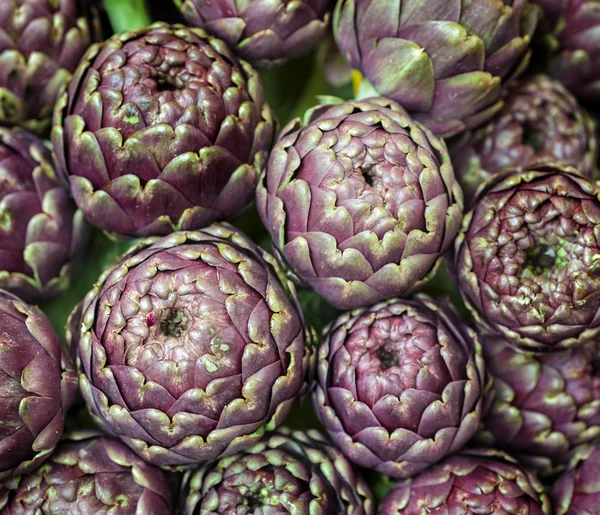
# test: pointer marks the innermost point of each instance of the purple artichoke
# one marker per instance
(37, 385)
(484, 482)
(444, 60)
(191, 347)
(361, 203)
(543, 405)
(400, 385)
(287, 472)
(577, 490)
(41, 43)
(42, 232)
(527, 258)
(89, 474)
(264, 32)
(162, 129)
(540, 122)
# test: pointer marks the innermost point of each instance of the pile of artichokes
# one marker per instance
(312, 257)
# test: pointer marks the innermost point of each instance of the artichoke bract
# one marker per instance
(361, 202)
(94, 475)
(577, 490)
(38, 383)
(42, 233)
(444, 61)
(191, 347)
(540, 122)
(400, 385)
(287, 472)
(476, 481)
(543, 405)
(527, 259)
(264, 32)
(162, 129)
(41, 43)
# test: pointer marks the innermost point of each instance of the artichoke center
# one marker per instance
(541, 257)
(387, 358)
(174, 322)
(534, 138)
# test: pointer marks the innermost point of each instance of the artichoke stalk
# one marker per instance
(400, 385)
(191, 347)
(445, 61)
(286, 472)
(42, 233)
(526, 259)
(540, 122)
(477, 481)
(162, 129)
(361, 202)
(264, 32)
(37, 386)
(41, 43)
(91, 474)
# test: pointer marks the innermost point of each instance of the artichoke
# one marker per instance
(162, 129)
(41, 43)
(543, 405)
(528, 258)
(191, 347)
(89, 474)
(577, 490)
(400, 385)
(42, 233)
(264, 32)
(37, 385)
(286, 472)
(485, 482)
(443, 60)
(540, 122)
(361, 203)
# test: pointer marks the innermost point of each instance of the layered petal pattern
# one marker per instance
(361, 202)
(400, 385)
(160, 130)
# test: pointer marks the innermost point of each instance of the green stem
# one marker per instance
(126, 15)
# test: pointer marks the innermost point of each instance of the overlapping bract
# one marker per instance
(443, 60)
(577, 490)
(42, 233)
(361, 202)
(483, 482)
(543, 405)
(37, 385)
(191, 347)
(540, 122)
(297, 472)
(400, 385)
(162, 129)
(93, 475)
(527, 259)
(41, 43)
(264, 32)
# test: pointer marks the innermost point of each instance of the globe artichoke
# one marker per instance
(41, 42)
(286, 472)
(543, 405)
(361, 203)
(485, 482)
(37, 386)
(264, 32)
(577, 490)
(162, 129)
(527, 258)
(191, 347)
(540, 122)
(445, 61)
(92, 475)
(42, 232)
(400, 385)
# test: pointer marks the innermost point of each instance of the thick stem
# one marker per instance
(126, 15)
